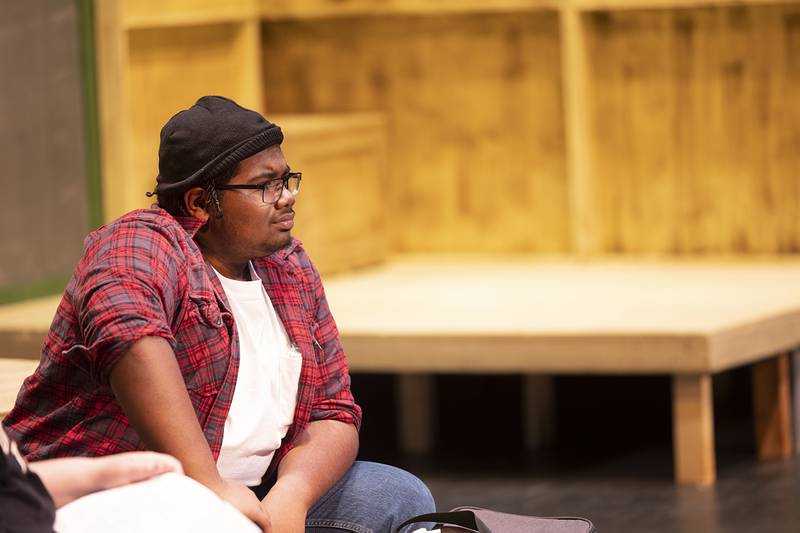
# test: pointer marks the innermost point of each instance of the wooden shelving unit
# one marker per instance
(662, 127)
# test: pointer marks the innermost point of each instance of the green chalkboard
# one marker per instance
(44, 174)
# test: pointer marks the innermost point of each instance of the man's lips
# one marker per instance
(285, 221)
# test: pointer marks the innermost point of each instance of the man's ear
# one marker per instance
(194, 201)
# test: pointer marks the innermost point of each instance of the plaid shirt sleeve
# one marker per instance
(334, 400)
(125, 289)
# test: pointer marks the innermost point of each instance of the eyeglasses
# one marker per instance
(271, 190)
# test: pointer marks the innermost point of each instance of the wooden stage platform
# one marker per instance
(417, 316)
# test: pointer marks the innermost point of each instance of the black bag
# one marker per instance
(479, 520)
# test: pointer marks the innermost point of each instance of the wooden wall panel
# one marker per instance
(284, 9)
(596, 5)
(343, 158)
(150, 13)
(696, 130)
(473, 105)
(168, 69)
(691, 131)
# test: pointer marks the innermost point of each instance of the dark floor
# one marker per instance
(748, 497)
(612, 462)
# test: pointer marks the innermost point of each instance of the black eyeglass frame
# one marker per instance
(264, 186)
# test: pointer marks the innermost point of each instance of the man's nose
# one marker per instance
(286, 199)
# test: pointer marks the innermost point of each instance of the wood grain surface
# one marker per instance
(12, 374)
(343, 160)
(456, 314)
(473, 108)
(479, 315)
(694, 129)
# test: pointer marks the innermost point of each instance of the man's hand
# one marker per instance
(246, 502)
(323, 452)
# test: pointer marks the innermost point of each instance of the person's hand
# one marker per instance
(121, 469)
(246, 502)
(70, 478)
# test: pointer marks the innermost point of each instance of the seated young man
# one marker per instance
(200, 328)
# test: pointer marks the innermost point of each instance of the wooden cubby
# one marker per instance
(155, 58)
(514, 126)
(342, 155)
(475, 134)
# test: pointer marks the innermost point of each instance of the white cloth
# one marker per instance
(266, 387)
(169, 503)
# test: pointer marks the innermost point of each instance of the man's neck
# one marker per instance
(230, 269)
(216, 253)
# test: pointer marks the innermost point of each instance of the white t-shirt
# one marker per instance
(266, 387)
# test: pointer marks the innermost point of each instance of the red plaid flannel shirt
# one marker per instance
(143, 275)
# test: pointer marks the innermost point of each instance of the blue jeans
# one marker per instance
(371, 498)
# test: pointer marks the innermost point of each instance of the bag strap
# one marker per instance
(465, 519)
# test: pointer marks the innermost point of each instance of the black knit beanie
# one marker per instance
(207, 139)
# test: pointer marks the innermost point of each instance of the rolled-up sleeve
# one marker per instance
(334, 399)
(125, 290)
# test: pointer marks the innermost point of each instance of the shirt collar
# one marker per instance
(190, 224)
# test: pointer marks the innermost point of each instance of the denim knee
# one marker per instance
(373, 498)
(417, 495)
(413, 498)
